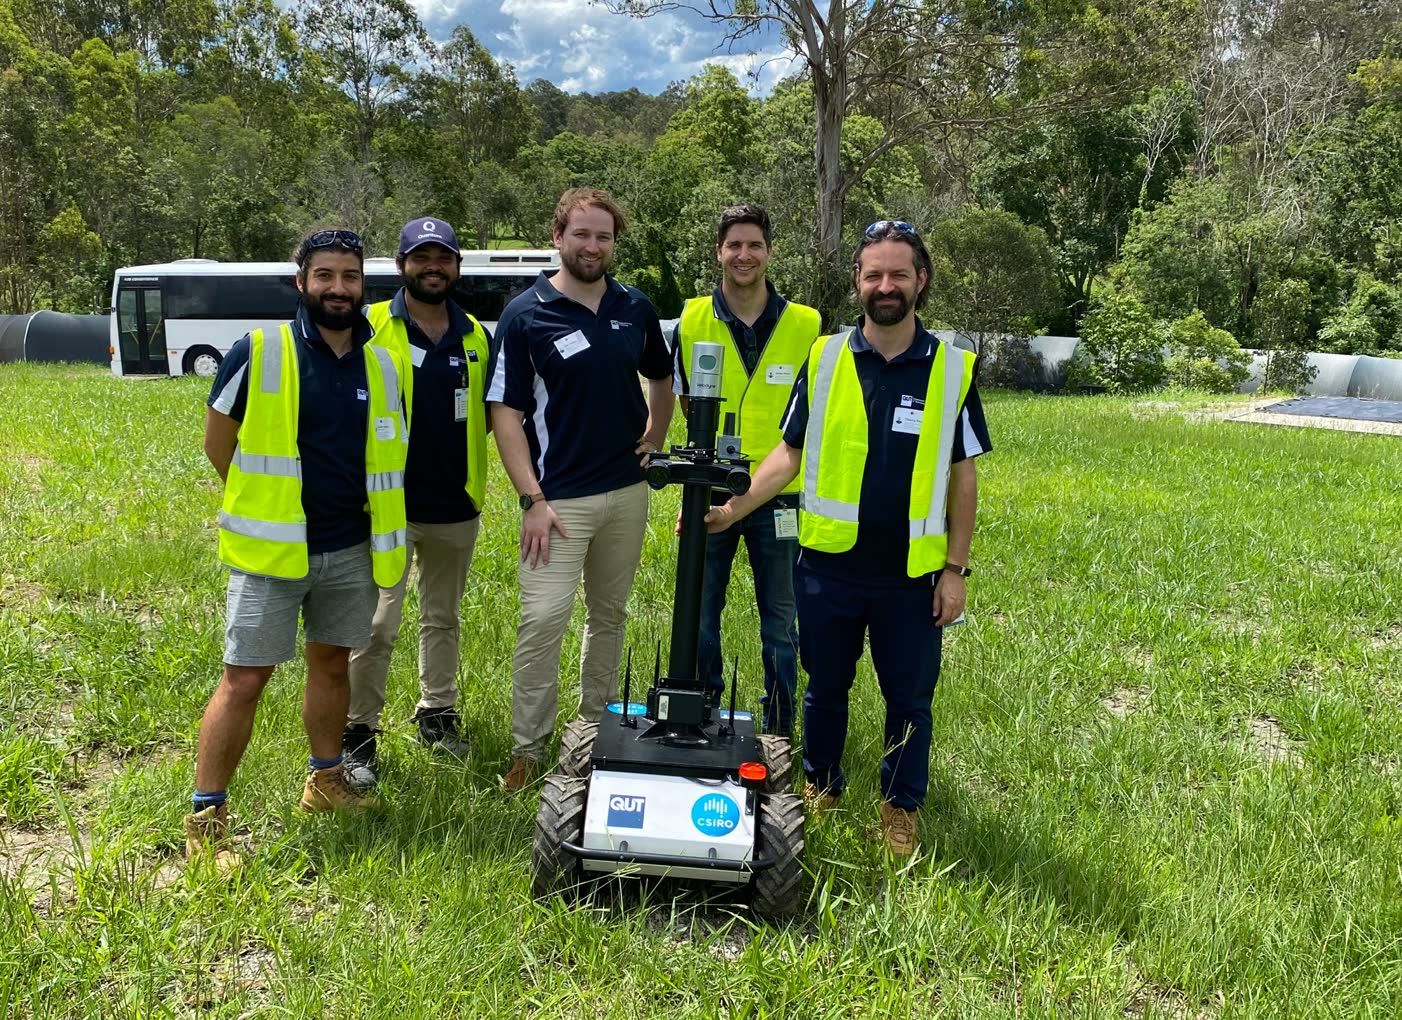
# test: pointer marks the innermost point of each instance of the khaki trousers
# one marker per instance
(444, 554)
(604, 547)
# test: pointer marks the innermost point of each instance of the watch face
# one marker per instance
(525, 502)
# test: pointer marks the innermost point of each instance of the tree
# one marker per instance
(992, 274)
(1121, 348)
(366, 47)
(938, 65)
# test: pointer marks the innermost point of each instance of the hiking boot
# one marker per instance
(207, 835)
(519, 776)
(440, 729)
(818, 800)
(358, 751)
(329, 790)
(897, 829)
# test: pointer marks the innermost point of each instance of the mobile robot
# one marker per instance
(675, 786)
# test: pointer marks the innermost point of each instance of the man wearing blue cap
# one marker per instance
(444, 486)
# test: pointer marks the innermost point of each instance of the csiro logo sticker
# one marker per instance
(626, 812)
(715, 814)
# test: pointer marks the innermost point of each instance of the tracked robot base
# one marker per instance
(675, 785)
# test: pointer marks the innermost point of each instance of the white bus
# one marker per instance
(184, 316)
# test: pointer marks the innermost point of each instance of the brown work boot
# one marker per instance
(206, 838)
(818, 800)
(329, 790)
(519, 776)
(897, 829)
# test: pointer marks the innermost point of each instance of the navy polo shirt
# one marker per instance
(880, 553)
(333, 419)
(573, 375)
(435, 476)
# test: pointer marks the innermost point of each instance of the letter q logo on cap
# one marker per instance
(430, 227)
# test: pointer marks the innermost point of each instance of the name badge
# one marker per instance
(569, 346)
(384, 427)
(786, 523)
(459, 404)
(417, 355)
(907, 420)
(779, 375)
(362, 394)
(455, 362)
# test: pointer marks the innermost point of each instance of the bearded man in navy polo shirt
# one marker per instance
(882, 429)
(575, 433)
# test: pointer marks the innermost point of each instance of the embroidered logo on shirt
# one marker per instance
(362, 394)
(619, 325)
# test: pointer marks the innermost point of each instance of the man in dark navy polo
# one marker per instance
(336, 597)
(444, 485)
(575, 432)
(882, 428)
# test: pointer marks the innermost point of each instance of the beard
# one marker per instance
(323, 316)
(421, 292)
(582, 271)
(887, 314)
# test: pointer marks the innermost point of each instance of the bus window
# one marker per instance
(486, 296)
(155, 328)
(128, 328)
(230, 297)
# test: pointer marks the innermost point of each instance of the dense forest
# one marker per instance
(1231, 163)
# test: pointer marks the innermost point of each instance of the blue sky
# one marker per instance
(581, 47)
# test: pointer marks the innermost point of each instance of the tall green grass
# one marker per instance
(1165, 769)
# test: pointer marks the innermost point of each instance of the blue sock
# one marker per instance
(203, 799)
(314, 763)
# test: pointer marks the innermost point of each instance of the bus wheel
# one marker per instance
(202, 361)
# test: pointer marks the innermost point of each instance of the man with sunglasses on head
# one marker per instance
(445, 483)
(766, 339)
(881, 430)
(306, 427)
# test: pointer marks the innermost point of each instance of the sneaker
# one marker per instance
(358, 749)
(329, 790)
(520, 775)
(897, 829)
(206, 834)
(440, 729)
(818, 800)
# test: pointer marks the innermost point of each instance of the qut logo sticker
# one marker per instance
(715, 814)
(626, 812)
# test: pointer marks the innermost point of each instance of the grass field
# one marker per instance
(1165, 778)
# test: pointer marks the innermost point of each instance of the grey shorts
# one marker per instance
(336, 600)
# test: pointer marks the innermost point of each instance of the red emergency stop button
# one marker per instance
(754, 772)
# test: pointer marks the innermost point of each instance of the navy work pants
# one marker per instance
(771, 562)
(835, 617)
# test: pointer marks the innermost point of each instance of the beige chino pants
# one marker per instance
(604, 546)
(444, 554)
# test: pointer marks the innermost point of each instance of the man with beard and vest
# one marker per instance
(445, 482)
(766, 339)
(881, 430)
(306, 427)
(575, 432)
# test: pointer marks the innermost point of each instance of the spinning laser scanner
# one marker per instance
(675, 784)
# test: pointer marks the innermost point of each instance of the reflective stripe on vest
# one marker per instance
(268, 531)
(263, 464)
(758, 404)
(837, 413)
(393, 335)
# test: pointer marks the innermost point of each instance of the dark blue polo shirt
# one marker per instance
(880, 553)
(333, 417)
(435, 477)
(573, 374)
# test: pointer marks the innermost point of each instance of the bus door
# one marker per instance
(141, 330)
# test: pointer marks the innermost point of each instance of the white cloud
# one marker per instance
(582, 46)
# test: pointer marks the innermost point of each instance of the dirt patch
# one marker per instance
(41, 862)
(1386, 638)
(17, 593)
(1150, 999)
(1268, 739)
(1124, 702)
(250, 969)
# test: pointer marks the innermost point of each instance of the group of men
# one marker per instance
(352, 443)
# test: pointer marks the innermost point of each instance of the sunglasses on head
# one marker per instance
(336, 239)
(899, 226)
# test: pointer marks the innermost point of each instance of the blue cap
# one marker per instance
(426, 231)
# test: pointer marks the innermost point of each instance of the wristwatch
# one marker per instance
(529, 500)
(958, 568)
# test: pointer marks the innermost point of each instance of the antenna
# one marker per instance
(729, 726)
(627, 689)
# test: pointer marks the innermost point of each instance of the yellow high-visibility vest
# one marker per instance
(835, 453)
(393, 334)
(262, 526)
(758, 400)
